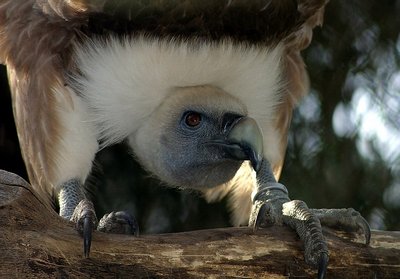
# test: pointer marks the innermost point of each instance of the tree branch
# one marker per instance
(36, 243)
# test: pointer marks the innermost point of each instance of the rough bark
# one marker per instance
(36, 243)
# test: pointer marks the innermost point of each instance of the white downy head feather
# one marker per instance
(124, 80)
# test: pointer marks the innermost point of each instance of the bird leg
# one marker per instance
(75, 207)
(272, 205)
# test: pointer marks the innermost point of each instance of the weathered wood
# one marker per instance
(36, 243)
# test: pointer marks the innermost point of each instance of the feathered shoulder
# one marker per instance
(255, 21)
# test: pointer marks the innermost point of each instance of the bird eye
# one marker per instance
(193, 119)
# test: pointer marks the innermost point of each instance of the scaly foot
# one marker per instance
(119, 222)
(272, 206)
(76, 208)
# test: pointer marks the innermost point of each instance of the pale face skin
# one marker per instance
(179, 150)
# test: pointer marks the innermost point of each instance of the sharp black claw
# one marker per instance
(87, 235)
(260, 215)
(364, 227)
(322, 266)
(85, 221)
(367, 236)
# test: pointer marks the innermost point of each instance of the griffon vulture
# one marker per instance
(202, 92)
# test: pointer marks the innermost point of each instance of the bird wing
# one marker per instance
(35, 45)
(295, 74)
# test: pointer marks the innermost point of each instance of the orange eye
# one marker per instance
(193, 119)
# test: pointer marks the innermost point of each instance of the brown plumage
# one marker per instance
(37, 37)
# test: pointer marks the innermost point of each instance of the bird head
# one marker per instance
(198, 137)
(192, 113)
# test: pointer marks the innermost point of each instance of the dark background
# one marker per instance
(344, 146)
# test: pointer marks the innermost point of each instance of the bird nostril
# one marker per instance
(228, 120)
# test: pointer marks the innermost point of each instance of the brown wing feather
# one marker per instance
(35, 44)
(70, 10)
(296, 76)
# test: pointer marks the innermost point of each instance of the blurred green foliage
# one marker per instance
(331, 161)
(343, 165)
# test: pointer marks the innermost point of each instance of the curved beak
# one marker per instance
(243, 140)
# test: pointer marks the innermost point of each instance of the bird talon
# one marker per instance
(120, 222)
(364, 227)
(322, 266)
(361, 224)
(85, 221)
(260, 216)
(346, 219)
(87, 235)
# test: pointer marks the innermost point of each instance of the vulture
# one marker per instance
(202, 91)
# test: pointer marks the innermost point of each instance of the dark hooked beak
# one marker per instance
(243, 141)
